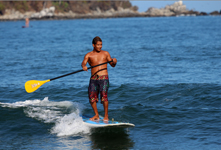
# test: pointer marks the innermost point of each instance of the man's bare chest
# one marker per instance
(97, 58)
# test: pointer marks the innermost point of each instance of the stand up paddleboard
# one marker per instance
(26, 26)
(103, 124)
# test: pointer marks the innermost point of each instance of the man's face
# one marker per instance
(98, 46)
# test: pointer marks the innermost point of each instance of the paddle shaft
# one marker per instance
(79, 71)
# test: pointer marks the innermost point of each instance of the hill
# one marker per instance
(79, 7)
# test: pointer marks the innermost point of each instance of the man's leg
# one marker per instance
(94, 106)
(105, 104)
(93, 94)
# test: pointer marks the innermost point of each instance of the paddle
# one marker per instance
(33, 85)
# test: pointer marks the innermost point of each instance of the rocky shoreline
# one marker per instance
(176, 9)
(49, 13)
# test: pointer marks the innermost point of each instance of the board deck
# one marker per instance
(101, 124)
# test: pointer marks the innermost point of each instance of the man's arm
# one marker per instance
(84, 62)
(113, 64)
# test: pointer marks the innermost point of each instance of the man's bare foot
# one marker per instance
(94, 118)
(105, 119)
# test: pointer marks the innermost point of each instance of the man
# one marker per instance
(26, 22)
(99, 82)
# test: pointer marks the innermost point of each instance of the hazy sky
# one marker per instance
(206, 6)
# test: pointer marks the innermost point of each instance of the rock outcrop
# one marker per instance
(12, 14)
(176, 9)
(215, 13)
(170, 10)
(45, 13)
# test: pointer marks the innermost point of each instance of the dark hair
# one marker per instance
(96, 39)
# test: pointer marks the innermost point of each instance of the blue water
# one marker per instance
(167, 83)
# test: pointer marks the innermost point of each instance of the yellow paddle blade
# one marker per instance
(33, 85)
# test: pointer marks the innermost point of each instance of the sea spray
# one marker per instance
(70, 124)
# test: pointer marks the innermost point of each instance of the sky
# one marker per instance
(201, 6)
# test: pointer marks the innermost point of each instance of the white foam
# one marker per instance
(44, 102)
(70, 125)
(66, 122)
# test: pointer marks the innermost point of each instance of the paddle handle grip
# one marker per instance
(79, 71)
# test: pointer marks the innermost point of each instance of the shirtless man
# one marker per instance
(99, 82)
(26, 22)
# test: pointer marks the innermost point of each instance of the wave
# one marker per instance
(65, 116)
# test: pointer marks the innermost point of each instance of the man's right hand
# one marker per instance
(115, 61)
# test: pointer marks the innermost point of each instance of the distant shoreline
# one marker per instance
(50, 13)
(100, 17)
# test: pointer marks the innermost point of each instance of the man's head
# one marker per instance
(96, 39)
(97, 44)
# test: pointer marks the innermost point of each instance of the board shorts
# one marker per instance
(98, 84)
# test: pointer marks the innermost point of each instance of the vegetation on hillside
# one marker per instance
(63, 6)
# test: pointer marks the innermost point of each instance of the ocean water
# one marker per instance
(167, 82)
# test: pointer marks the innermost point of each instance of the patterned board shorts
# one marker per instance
(98, 84)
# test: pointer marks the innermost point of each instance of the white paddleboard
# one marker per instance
(101, 124)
